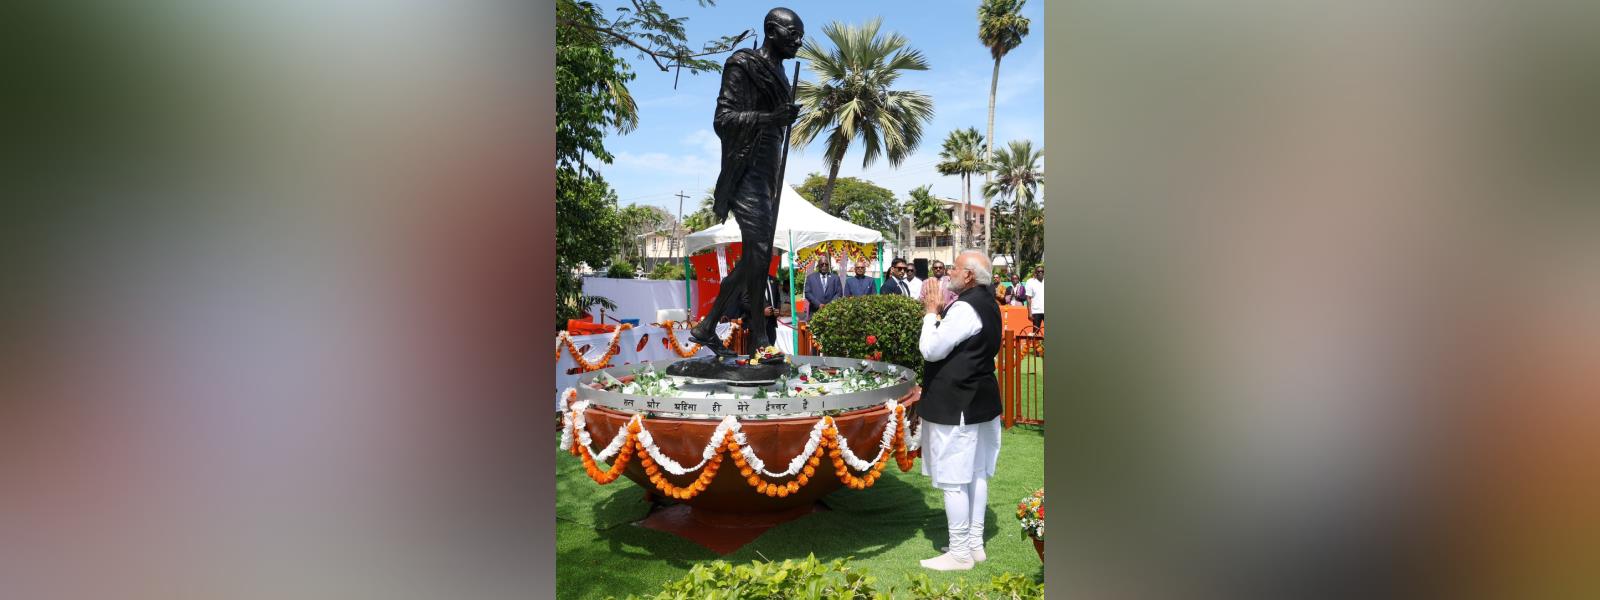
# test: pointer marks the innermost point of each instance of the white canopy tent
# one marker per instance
(800, 224)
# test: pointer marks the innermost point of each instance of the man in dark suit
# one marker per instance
(822, 286)
(859, 284)
(772, 309)
(896, 282)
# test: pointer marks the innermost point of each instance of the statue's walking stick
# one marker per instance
(794, 87)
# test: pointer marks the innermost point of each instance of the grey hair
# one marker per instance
(978, 263)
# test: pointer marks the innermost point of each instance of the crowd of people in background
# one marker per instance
(823, 286)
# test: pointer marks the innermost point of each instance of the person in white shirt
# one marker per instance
(960, 406)
(1035, 288)
(912, 282)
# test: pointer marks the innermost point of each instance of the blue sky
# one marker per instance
(674, 148)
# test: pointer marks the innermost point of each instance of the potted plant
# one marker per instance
(1030, 514)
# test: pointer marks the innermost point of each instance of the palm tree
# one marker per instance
(963, 155)
(1001, 28)
(1017, 175)
(927, 212)
(851, 97)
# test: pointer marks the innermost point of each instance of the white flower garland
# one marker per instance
(573, 418)
(796, 464)
(718, 438)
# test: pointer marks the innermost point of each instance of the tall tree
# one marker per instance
(963, 155)
(852, 97)
(647, 28)
(1001, 28)
(1017, 175)
(637, 220)
(1026, 244)
(591, 97)
(928, 213)
(858, 201)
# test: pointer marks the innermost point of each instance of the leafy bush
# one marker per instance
(810, 579)
(1006, 586)
(667, 270)
(620, 270)
(877, 327)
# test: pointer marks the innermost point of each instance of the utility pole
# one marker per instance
(677, 230)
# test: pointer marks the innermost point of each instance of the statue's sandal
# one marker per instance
(713, 343)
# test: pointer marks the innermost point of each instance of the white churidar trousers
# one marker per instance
(960, 459)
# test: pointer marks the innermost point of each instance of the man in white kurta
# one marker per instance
(960, 455)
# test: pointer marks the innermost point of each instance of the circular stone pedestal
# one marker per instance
(776, 441)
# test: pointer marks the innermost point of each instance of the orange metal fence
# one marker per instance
(1019, 368)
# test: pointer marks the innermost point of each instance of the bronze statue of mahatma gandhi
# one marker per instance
(754, 111)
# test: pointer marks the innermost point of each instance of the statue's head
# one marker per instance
(785, 32)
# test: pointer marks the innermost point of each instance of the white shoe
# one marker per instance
(978, 555)
(947, 562)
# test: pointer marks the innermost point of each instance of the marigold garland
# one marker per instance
(612, 349)
(672, 340)
(834, 250)
(829, 443)
(659, 480)
(617, 465)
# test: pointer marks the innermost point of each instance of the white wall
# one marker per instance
(636, 298)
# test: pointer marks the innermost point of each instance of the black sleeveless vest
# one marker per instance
(963, 384)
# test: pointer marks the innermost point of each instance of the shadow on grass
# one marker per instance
(615, 521)
(860, 524)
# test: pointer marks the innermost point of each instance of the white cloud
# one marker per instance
(708, 143)
(661, 162)
(1016, 79)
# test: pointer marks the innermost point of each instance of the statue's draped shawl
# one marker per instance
(751, 86)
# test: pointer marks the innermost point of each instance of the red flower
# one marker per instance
(872, 340)
(1041, 512)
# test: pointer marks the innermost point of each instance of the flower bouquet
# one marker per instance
(1030, 514)
(768, 355)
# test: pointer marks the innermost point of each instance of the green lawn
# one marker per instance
(887, 528)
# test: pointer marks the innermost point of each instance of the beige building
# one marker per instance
(942, 245)
(657, 247)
